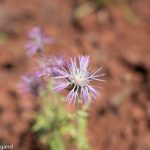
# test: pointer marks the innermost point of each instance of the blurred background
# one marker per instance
(116, 36)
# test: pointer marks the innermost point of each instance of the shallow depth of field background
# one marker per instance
(116, 36)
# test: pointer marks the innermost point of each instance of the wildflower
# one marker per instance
(77, 78)
(49, 65)
(36, 42)
(31, 84)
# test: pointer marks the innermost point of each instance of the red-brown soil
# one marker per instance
(120, 118)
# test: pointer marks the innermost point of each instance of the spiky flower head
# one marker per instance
(31, 84)
(48, 66)
(36, 41)
(77, 78)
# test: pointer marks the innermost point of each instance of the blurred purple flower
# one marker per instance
(49, 65)
(31, 84)
(77, 79)
(36, 42)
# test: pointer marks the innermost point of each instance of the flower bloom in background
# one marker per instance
(77, 78)
(31, 84)
(36, 42)
(49, 65)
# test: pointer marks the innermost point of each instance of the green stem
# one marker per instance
(77, 125)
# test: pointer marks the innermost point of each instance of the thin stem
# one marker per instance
(77, 123)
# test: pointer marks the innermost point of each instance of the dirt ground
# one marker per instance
(116, 37)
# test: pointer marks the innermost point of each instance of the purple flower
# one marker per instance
(49, 65)
(77, 78)
(36, 42)
(31, 84)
